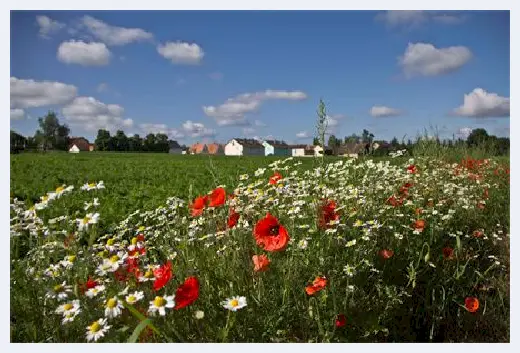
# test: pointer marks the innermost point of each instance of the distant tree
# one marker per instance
(18, 142)
(102, 140)
(121, 141)
(135, 143)
(332, 141)
(52, 135)
(149, 143)
(394, 142)
(315, 141)
(161, 143)
(352, 138)
(477, 137)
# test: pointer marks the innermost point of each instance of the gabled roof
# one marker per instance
(277, 144)
(299, 146)
(174, 144)
(249, 142)
(197, 148)
(80, 142)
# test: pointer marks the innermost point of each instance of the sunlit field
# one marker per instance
(161, 248)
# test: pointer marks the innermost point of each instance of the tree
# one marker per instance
(352, 138)
(102, 140)
(161, 143)
(332, 141)
(149, 143)
(121, 141)
(51, 133)
(316, 141)
(394, 142)
(477, 137)
(135, 143)
(367, 136)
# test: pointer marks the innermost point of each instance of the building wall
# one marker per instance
(298, 152)
(282, 151)
(175, 151)
(269, 150)
(233, 148)
(74, 149)
(254, 151)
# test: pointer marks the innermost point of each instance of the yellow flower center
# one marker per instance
(102, 254)
(71, 258)
(148, 274)
(134, 241)
(32, 208)
(95, 327)
(67, 306)
(141, 228)
(114, 258)
(234, 303)
(110, 241)
(111, 303)
(131, 298)
(45, 198)
(91, 185)
(159, 302)
(85, 220)
(60, 189)
(58, 288)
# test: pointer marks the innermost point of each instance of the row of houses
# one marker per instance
(252, 147)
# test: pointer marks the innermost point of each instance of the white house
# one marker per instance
(276, 148)
(318, 150)
(244, 147)
(298, 150)
(74, 149)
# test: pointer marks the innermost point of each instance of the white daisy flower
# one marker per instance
(97, 330)
(113, 308)
(90, 218)
(199, 314)
(134, 298)
(68, 261)
(302, 244)
(68, 307)
(159, 304)
(60, 291)
(92, 292)
(234, 303)
(70, 316)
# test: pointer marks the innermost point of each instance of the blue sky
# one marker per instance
(214, 75)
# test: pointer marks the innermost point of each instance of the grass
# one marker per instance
(416, 295)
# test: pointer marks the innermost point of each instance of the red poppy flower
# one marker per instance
(198, 205)
(471, 304)
(91, 283)
(140, 238)
(419, 225)
(318, 284)
(217, 197)
(261, 262)
(233, 219)
(447, 252)
(478, 233)
(392, 200)
(486, 193)
(412, 169)
(162, 275)
(418, 211)
(341, 320)
(270, 235)
(386, 254)
(120, 275)
(187, 293)
(481, 205)
(327, 214)
(274, 179)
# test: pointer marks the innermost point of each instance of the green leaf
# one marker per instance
(137, 331)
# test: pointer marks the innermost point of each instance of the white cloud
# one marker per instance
(232, 111)
(112, 35)
(259, 123)
(482, 104)
(82, 53)
(17, 114)
(414, 18)
(382, 111)
(32, 94)
(48, 26)
(464, 132)
(426, 60)
(181, 52)
(302, 135)
(197, 129)
(91, 114)
(248, 131)
(216, 76)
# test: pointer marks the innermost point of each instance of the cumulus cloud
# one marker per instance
(464, 132)
(382, 111)
(32, 94)
(48, 26)
(17, 114)
(197, 129)
(181, 52)
(113, 35)
(423, 59)
(91, 115)
(82, 53)
(232, 112)
(481, 104)
(302, 135)
(414, 18)
(259, 123)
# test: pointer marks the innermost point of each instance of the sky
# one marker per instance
(204, 76)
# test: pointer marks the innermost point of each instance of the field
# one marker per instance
(256, 249)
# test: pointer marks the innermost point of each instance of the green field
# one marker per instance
(404, 248)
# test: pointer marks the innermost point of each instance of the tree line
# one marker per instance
(51, 135)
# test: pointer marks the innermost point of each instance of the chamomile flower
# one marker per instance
(134, 298)
(68, 261)
(113, 308)
(70, 316)
(199, 315)
(59, 291)
(90, 218)
(302, 244)
(93, 292)
(234, 303)
(159, 304)
(97, 330)
(67, 308)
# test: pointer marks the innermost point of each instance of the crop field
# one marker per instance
(160, 248)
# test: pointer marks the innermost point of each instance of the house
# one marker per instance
(175, 148)
(318, 150)
(80, 144)
(244, 147)
(18, 142)
(215, 149)
(196, 148)
(351, 149)
(299, 150)
(276, 148)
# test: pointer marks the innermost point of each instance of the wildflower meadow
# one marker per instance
(399, 249)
